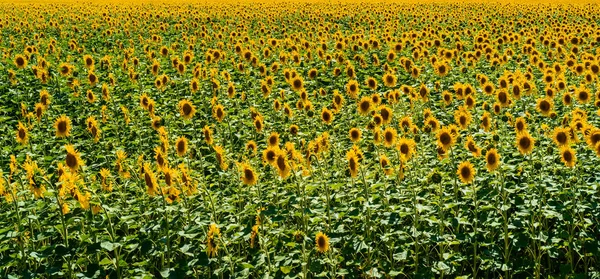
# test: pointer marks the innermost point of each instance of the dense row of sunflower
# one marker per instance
(299, 140)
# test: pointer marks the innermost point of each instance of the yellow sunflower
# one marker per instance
(322, 242)
(62, 126)
(466, 172)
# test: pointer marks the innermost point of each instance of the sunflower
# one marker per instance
(186, 109)
(406, 147)
(385, 164)
(466, 172)
(62, 126)
(88, 60)
(486, 121)
(20, 61)
(593, 137)
(462, 118)
(406, 122)
(389, 80)
(560, 136)
(161, 158)
(73, 159)
(502, 98)
(219, 112)
(471, 146)
(583, 95)
(544, 106)
(249, 175)
(273, 140)
(389, 136)
(45, 98)
(353, 165)
(386, 114)
(282, 165)
(364, 105)
(211, 240)
(432, 123)
(354, 134)
(258, 123)
(445, 139)
(322, 242)
(65, 69)
(520, 125)
(221, 158)
(297, 83)
(92, 78)
(294, 129)
(22, 134)
(567, 156)
(492, 159)
(352, 89)
(39, 111)
(181, 146)
(525, 143)
(371, 83)
(91, 98)
(326, 115)
(270, 155)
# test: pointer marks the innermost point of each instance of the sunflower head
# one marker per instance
(492, 159)
(466, 172)
(181, 146)
(445, 139)
(354, 134)
(73, 159)
(186, 109)
(525, 143)
(273, 140)
(568, 157)
(322, 242)
(62, 125)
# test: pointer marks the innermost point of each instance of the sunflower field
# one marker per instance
(321, 139)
